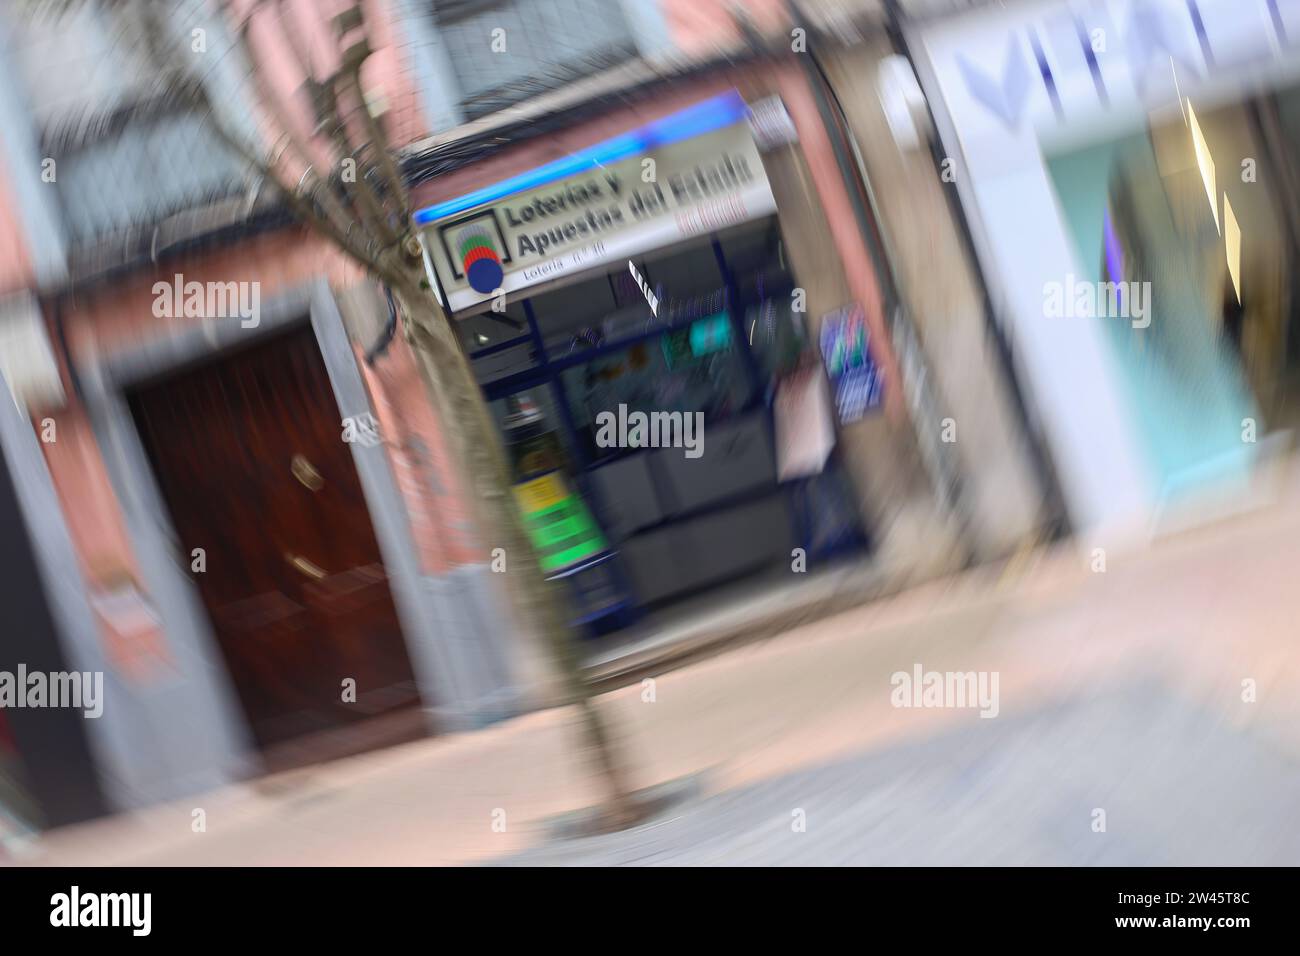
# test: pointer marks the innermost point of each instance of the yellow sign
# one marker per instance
(540, 493)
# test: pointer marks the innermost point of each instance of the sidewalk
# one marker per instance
(1120, 691)
(752, 609)
(1020, 791)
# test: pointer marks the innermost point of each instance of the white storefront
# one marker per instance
(1015, 89)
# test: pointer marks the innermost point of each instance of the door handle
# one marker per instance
(308, 568)
(306, 473)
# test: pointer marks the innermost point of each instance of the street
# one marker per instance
(1123, 736)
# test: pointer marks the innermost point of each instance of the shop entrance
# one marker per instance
(694, 340)
(273, 528)
(1200, 213)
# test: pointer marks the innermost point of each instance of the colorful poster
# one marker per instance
(856, 381)
(560, 527)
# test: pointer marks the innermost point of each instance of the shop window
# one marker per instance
(776, 336)
(685, 274)
(724, 329)
(694, 369)
(531, 423)
(499, 344)
(575, 317)
(690, 355)
(1157, 262)
(492, 328)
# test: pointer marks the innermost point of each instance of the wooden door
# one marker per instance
(250, 457)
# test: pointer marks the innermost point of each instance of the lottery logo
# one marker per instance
(480, 261)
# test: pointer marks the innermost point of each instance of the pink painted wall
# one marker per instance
(15, 262)
(436, 500)
(698, 27)
(306, 24)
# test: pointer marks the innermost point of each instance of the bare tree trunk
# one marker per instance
(457, 395)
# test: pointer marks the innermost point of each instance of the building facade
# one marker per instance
(646, 208)
(588, 322)
(225, 553)
(1143, 150)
